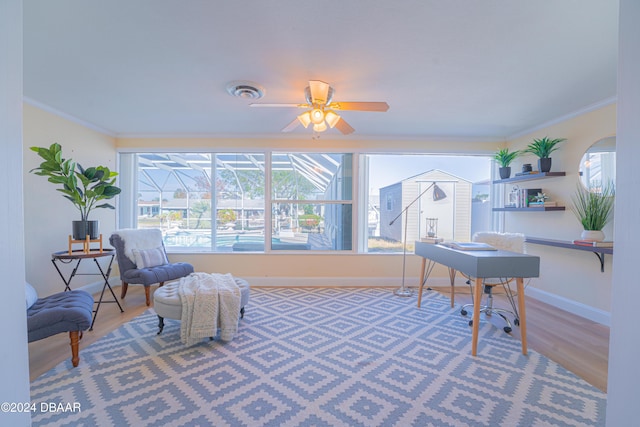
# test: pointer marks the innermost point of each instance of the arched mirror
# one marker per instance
(598, 164)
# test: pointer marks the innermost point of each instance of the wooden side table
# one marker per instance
(64, 257)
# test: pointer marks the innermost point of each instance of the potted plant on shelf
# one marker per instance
(594, 209)
(543, 148)
(504, 158)
(83, 187)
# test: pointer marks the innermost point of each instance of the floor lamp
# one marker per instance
(438, 194)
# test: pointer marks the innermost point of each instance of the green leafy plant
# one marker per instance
(82, 187)
(593, 208)
(504, 157)
(543, 147)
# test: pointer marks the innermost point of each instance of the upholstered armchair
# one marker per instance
(142, 260)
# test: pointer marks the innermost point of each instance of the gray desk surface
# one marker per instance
(481, 263)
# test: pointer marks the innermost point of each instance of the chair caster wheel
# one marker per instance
(463, 312)
(470, 322)
(507, 329)
(516, 322)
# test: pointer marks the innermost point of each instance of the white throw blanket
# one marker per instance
(209, 302)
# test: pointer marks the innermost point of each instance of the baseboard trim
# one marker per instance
(573, 307)
(95, 287)
(410, 282)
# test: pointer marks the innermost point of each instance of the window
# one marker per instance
(311, 201)
(303, 201)
(423, 195)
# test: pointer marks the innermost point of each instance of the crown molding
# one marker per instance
(69, 117)
(587, 109)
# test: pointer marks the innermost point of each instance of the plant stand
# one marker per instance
(86, 244)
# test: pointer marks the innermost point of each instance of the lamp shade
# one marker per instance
(438, 193)
(331, 118)
(320, 127)
(305, 119)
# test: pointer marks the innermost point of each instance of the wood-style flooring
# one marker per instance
(580, 345)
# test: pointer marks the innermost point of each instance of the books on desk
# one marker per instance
(470, 246)
(591, 243)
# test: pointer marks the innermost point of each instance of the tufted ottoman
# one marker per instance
(167, 304)
(62, 312)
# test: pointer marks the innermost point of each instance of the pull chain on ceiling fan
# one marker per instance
(322, 110)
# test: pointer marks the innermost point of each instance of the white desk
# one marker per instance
(480, 265)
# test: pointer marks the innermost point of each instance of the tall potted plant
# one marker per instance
(543, 148)
(85, 188)
(593, 209)
(504, 158)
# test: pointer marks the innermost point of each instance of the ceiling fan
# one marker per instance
(321, 109)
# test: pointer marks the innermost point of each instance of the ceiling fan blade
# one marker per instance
(279, 105)
(344, 127)
(291, 126)
(319, 91)
(360, 106)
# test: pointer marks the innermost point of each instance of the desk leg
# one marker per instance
(422, 280)
(477, 295)
(452, 278)
(522, 313)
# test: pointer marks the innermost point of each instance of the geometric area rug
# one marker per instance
(319, 357)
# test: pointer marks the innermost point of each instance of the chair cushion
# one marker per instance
(160, 273)
(61, 312)
(31, 294)
(150, 257)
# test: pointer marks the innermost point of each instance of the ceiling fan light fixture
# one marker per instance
(331, 118)
(320, 127)
(317, 116)
(305, 119)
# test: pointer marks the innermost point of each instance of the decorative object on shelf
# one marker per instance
(543, 148)
(593, 209)
(513, 197)
(526, 168)
(539, 199)
(504, 159)
(594, 244)
(82, 187)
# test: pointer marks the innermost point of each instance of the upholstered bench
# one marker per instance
(62, 312)
(167, 304)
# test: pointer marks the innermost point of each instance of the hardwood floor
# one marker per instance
(581, 346)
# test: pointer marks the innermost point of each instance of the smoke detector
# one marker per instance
(245, 89)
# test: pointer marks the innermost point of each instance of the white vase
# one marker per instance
(593, 235)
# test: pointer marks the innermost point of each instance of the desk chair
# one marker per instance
(513, 242)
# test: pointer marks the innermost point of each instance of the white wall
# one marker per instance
(14, 369)
(569, 279)
(48, 214)
(624, 346)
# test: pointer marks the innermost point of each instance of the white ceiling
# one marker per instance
(465, 69)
